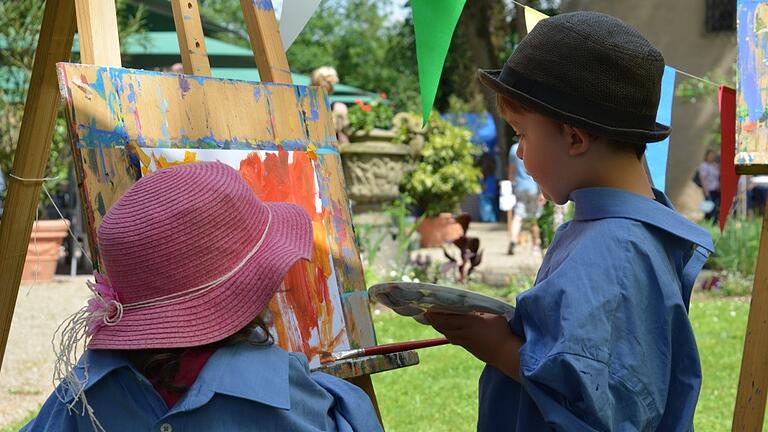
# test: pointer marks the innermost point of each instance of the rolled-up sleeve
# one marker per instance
(576, 393)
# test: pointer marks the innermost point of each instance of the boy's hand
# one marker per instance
(487, 336)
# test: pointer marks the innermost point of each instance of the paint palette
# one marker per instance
(413, 299)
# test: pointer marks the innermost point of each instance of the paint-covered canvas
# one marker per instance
(752, 99)
(127, 123)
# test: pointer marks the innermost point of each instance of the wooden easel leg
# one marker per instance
(753, 380)
(31, 157)
(365, 383)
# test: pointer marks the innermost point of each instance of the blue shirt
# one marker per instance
(607, 341)
(240, 388)
(523, 181)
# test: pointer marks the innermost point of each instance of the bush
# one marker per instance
(736, 249)
(445, 171)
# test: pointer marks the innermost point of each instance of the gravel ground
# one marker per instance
(25, 378)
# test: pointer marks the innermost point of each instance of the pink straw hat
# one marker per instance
(192, 256)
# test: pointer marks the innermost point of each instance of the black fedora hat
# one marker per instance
(589, 70)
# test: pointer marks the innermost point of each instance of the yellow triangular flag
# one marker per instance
(532, 17)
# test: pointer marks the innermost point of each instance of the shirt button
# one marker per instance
(166, 427)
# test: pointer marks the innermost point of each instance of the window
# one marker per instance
(721, 15)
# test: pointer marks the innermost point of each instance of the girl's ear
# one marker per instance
(579, 140)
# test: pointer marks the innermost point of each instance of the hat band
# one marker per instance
(576, 105)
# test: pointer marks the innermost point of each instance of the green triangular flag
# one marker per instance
(433, 23)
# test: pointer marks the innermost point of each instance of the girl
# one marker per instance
(175, 339)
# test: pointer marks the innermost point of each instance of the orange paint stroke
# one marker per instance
(304, 306)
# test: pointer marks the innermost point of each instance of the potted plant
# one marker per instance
(373, 161)
(444, 172)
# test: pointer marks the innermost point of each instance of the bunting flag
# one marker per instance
(294, 17)
(658, 153)
(433, 24)
(532, 17)
(728, 177)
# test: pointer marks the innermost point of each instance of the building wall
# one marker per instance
(677, 28)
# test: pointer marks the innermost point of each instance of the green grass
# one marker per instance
(440, 394)
(21, 423)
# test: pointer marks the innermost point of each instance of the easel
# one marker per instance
(97, 25)
(753, 379)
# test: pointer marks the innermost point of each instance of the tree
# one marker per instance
(20, 22)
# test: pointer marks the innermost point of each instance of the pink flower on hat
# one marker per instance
(104, 307)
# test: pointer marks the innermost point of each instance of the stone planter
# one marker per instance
(373, 168)
(437, 231)
(44, 250)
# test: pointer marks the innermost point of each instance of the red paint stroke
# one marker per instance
(275, 179)
(728, 177)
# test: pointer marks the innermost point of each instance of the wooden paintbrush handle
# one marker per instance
(404, 346)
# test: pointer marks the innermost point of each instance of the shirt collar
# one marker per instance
(257, 373)
(601, 203)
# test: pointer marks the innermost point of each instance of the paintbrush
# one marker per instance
(327, 357)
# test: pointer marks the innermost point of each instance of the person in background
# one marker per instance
(528, 206)
(709, 176)
(490, 194)
(327, 77)
(757, 190)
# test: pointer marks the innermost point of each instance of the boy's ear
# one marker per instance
(579, 140)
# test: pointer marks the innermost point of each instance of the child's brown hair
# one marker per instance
(505, 106)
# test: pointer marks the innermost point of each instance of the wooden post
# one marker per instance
(31, 156)
(753, 381)
(265, 41)
(97, 32)
(189, 29)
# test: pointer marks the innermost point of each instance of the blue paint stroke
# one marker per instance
(166, 136)
(95, 138)
(658, 153)
(131, 93)
(748, 64)
(347, 294)
(265, 5)
(99, 84)
(314, 105)
(327, 150)
(116, 78)
(257, 93)
(183, 85)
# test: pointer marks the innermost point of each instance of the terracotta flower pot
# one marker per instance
(44, 250)
(438, 230)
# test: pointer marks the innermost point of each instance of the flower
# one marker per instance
(365, 117)
(104, 307)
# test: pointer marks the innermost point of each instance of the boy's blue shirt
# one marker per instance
(607, 340)
(240, 388)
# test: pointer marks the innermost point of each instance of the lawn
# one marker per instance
(440, 394)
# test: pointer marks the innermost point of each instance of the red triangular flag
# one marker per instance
(728, 177)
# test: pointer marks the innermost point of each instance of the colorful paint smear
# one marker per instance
(303, 313)
(751, 111)
(127, 123)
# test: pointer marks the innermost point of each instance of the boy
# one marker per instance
(602, 341)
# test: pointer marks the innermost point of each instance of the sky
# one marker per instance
(397, 11)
